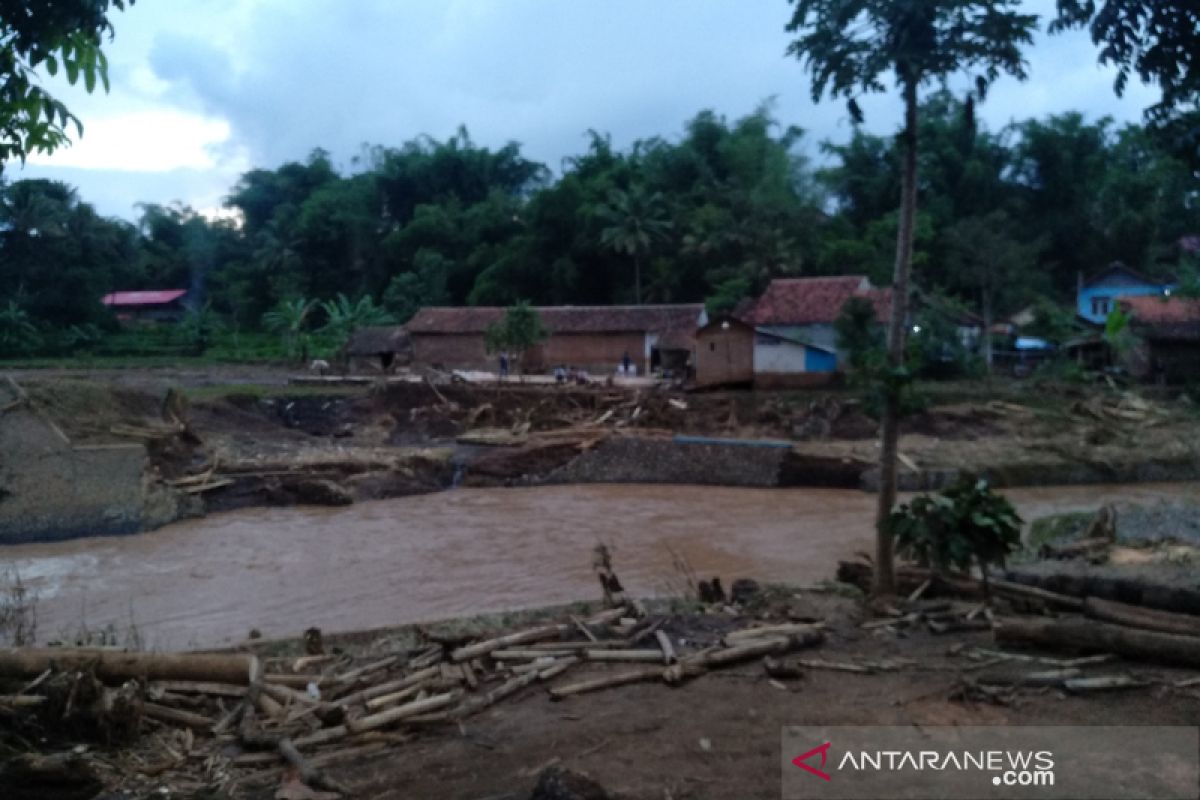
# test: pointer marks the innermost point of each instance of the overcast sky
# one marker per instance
(204, 89)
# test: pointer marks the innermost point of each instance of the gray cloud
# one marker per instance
(290, 76)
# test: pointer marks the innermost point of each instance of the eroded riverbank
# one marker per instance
(207, 582)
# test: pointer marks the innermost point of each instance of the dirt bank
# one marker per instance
(256, 445)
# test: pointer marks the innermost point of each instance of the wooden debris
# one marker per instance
(1086, 635)
(118, 667)
(1139, 617)
(668, 649)
(523, 637)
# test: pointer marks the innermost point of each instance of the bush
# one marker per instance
(966, 522)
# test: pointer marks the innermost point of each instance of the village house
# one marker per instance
(147, 306)
(1097, 296)
(594, 338)
(1168, 333)
(380, 348)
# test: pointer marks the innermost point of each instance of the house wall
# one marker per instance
(776, 356)
(724, 356)
(1094, 301)
(1174, 361)
(452, 350)
(820, 335)
(598, 353)
(796, 380)
(819, 360)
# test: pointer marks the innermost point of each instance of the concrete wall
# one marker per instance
(725, 356)
(50, 490)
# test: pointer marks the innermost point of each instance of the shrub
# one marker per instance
(966, 522)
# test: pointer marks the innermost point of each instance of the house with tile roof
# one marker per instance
(595, 338)
(1168, 330)
(1097, 296)
(794, 319)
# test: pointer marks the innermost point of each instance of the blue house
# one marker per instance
(1098, 295)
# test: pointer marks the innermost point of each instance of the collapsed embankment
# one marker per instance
(124, 461)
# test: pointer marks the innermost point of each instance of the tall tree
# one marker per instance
(66, 34)
(851, 47)
(635, 221)
(1159, 41)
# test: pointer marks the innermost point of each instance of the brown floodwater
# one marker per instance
(207, 582)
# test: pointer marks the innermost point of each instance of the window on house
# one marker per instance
(1101, 306)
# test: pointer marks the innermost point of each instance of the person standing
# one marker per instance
(626, 363)
(503, 364)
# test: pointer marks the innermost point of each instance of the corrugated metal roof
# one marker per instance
(151, 298)
(564, 319)
(810, 301)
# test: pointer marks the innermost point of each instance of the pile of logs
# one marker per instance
(232, 721)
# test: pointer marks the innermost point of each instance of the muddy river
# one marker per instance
(207, 582)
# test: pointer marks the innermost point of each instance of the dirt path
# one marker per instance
(208, 582)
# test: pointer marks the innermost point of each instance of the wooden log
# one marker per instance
(295, 681)
(478, 703)
(1103, 683)
(603, 643)
(21, 700)
(309, 774)
(606, 617)
(355, 674)
(174, 716)
(198, 687)
(607, 681)
(1086, 635)
(376, 721)
(515, 654)
(420, 676)
(789, 629)
(522, 637)
(1138, 617)
(395, 697)
(649, 656)
(117, 667)
(1053, 677)
(557, 668)
(668, 649)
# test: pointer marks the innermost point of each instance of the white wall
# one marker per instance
(781, 358)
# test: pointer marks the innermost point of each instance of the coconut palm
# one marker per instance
(634, 222)
(288, 319)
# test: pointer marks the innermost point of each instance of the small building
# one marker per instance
(794, 322)
(1168, 330)
(725, 353)
(1097, 295)
(167, 305)
(381, 348)
(594, 338)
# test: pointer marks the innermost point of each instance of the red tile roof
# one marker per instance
(564, 319)
(1158, 308)
(1164, 317)
(154, 298)
(810, 301)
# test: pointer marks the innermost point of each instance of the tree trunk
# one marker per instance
(637, 279)
(987, 328)
(884, 583)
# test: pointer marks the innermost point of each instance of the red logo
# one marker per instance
(800, 759)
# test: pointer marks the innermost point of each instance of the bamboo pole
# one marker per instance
(117, 667)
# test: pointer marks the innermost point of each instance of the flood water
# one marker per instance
(207, 582)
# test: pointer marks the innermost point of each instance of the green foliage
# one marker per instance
(634, 222)
(860, 336)
(1117, 334)
(290, 320)
(66, 34)
(966, 522)
(18, 335)
(518, 330)
(343, 316)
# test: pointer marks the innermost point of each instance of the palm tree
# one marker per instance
(343, 315)
(634, 223)
(288, 319)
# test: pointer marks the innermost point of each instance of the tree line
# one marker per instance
(1006, 217)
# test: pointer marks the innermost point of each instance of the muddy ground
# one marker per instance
(713, 738)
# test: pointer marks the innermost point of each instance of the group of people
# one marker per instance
(567, 374)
